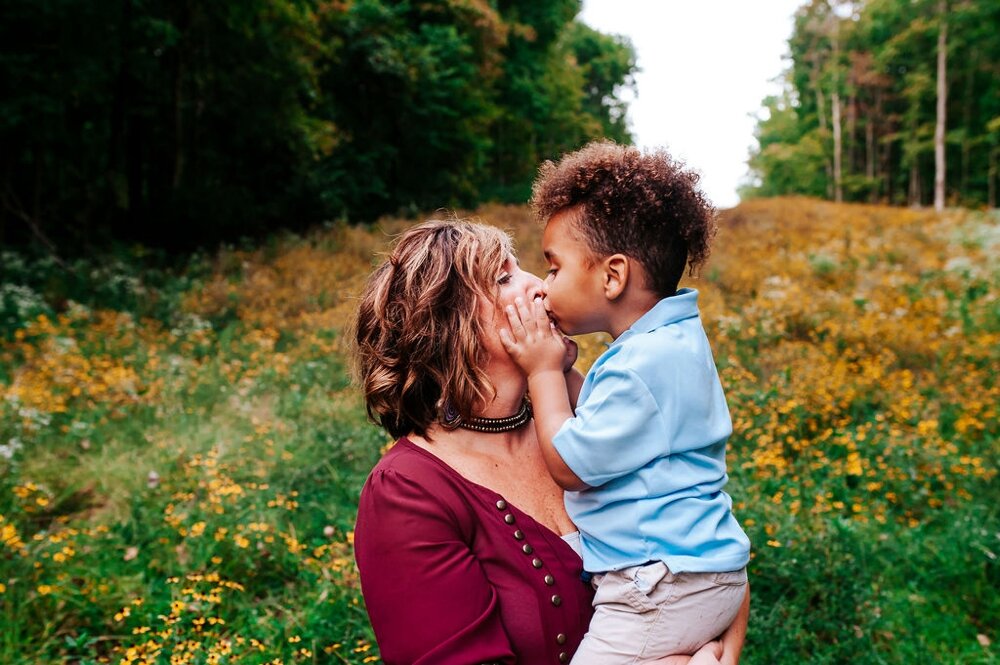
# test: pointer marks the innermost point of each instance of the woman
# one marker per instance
(462, 541)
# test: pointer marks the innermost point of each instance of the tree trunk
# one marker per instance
(119, 105)
(914, 193)
(838, 151)
(870, 158)
(179, 74)
(821, 116)
(852, 131)
(838, 148)
(882, 152)
(968, 101)
(942, 97)
(820, 101)
(991, 179)
(178, 169)
(134, 130)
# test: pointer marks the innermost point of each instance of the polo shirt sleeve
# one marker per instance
(426, 594)
(617, 430)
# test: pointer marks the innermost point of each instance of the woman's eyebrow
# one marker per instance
(506, 265)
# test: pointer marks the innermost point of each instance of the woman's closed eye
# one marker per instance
(504, 278)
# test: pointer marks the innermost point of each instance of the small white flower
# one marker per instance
(8, 450)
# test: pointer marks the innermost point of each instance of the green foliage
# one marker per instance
(191, 122)
(408, 90)
(607, 63)
(877, 61)
(144, 283)
(793, 163)
(163, 122)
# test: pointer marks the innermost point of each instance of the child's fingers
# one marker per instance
(516, 323)
(544, 319)
(507, 340)
(526, 319)
(538, 312)
(540, 317)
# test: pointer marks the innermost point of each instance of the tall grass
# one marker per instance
(181, 450)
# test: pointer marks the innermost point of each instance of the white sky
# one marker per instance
(706, 65)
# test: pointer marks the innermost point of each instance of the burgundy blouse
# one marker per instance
(452, 574)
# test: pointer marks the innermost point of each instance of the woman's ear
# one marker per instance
(616, 274)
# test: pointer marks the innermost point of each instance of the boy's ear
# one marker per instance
(616, 274)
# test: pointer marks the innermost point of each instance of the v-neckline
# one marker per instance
(410, 445)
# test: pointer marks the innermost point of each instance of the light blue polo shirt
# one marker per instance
(649, 437)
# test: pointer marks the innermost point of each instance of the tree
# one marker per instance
(789, 159)
(159, 122)
(188, 122)
(942, 95)
(608, 64)
(921, 82)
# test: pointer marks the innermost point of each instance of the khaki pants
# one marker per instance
(646, 612)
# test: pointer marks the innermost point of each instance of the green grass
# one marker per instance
(863, 465)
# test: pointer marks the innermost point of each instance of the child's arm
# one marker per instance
(538, 349)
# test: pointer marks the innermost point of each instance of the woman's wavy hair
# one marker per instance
(417, 332)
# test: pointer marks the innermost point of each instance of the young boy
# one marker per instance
(643, 456)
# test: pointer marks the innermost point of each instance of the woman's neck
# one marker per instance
(511, 386)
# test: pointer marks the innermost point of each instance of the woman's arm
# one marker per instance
(426, 594)
(736, 634)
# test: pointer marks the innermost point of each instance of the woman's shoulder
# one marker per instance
(407, 469)
(405, 458)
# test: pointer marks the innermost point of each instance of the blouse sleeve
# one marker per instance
(426, 594)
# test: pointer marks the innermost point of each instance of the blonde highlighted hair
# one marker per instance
(418, 328)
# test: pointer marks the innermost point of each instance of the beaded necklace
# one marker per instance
(452, 420)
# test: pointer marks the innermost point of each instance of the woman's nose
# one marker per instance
(535, 287)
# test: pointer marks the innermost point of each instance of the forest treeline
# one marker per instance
(894, 101)
(186, 122)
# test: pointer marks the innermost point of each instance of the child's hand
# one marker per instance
(572, 352)
(533, 341)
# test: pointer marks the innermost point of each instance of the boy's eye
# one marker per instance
(550, 271)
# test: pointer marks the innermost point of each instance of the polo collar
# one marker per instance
(682, 305)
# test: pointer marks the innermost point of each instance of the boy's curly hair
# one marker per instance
(646, 206)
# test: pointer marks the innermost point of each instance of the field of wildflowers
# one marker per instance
(181, 451)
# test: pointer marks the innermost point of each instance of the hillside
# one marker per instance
(180, 456)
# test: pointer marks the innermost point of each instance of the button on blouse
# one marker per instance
(452, 573)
